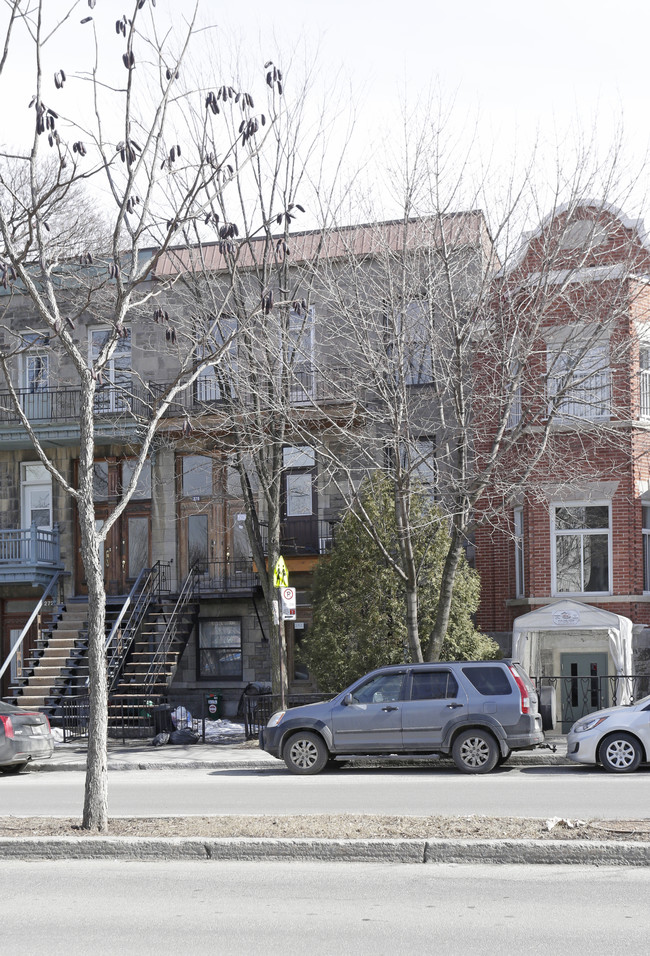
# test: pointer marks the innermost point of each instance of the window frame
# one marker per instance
(520, 556)
(582, 532)
(225, 648)
(577, 403)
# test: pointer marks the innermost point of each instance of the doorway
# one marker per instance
(585, 685)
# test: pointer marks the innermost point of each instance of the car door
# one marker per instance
(372, 720)
(434, 698)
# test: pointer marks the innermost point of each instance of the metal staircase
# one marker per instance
(149, 662)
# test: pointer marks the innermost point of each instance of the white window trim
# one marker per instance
(582, 503)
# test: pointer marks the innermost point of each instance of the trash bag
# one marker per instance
(181, 717)
(160, 739)
(184, 736)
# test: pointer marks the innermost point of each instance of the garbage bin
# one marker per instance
(162, 719)
(213, 702)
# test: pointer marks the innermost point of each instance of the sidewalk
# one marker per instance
(230, 755)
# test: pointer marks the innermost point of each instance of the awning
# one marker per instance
(565, 616)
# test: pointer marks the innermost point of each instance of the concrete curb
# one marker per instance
(64, 762)
(576, 852)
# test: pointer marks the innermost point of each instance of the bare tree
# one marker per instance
(257, 281)
(125, 147)
(471, 365)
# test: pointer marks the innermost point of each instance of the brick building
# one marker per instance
(564, 557)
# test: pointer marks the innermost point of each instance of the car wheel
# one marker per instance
(620, 753)
(14, 767)
(305, 753)
(475, 751)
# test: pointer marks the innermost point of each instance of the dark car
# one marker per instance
(477, 712)
(24, 735)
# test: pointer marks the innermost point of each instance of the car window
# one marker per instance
(433, 685)
(378, 689)
(489, 681)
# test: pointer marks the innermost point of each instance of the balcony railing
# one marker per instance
(63, 404)
(308, 535)
(29, 555)
(225, 577)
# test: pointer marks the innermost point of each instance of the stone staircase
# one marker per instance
(57, 665)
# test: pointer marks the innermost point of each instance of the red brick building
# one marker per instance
(575, 526)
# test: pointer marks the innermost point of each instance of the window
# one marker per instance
(220, 652)
(300, 354)
(36, 362)
(214, 380)
(579, 381)
(490, 681)
(114, 392)
(433, 685)
(644, 382)
(646, 548)
(36, 492)
(519, 551)
(143, 485)
(418, 460)
(299, 464)
(196, 476)
(581, 545)
(414, 333)
(378, 690)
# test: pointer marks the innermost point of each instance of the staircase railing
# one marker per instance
(37, 610)
(148, 587)
(188, 595)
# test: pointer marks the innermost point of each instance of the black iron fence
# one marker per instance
(258, 708)
(571, 698)
(138, 718)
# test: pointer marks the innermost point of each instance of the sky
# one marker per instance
(518, 73)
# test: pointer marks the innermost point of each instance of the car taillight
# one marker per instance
(8, 726)
(525, 699)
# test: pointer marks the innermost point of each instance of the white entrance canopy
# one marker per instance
(572, 615)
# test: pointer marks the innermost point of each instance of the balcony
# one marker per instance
(303, 536)
(119, 410)
(228, 577)
(29, 555)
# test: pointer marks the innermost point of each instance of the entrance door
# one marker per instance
(36, 496)
(585, 687)
(213, 535)
(127, 547)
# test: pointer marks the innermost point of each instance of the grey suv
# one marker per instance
(477, 711)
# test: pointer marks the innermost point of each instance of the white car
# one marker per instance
(618, 737)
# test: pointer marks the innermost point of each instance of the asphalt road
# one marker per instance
(570, 792)
(71, 907)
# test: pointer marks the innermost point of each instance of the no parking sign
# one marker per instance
(288, 604)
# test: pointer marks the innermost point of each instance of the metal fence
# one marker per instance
(575, 697)
(259, 707)
(137, 718)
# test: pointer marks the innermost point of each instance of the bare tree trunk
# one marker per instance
(411, 577)
(439, 631)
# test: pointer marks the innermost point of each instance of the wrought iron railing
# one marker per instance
(259, 707)
(305, 384)
(307, 535)
(235, 575)
(148, 587)
(578, 696)
(189, 595)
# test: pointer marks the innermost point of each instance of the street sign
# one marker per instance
(280, 574)
(288, 604)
